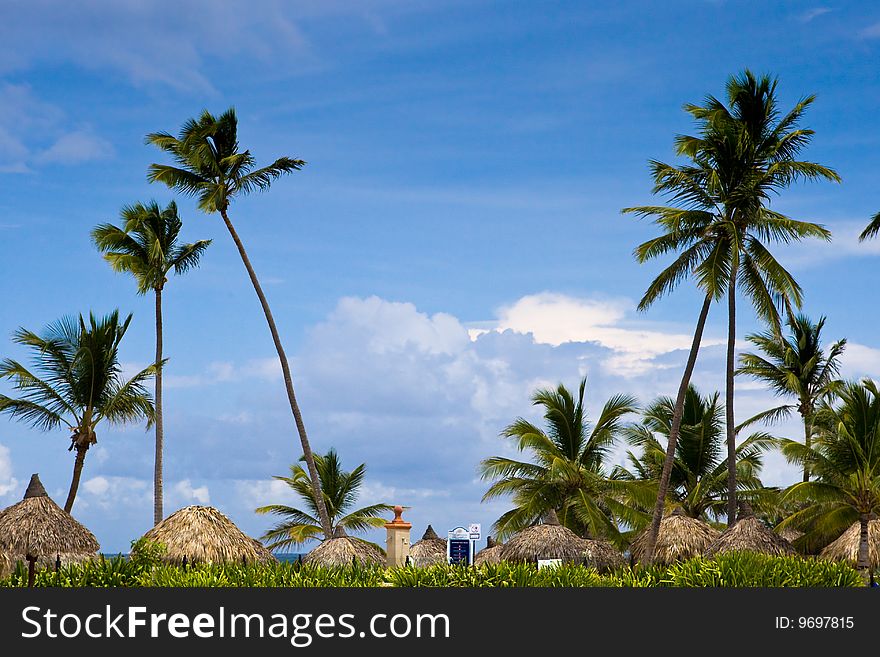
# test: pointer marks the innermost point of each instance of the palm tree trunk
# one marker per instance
(728, 398)
(808, 440)
(158, 511)
(324, 517)
(77, 473)
(863, 565)
(674, 430)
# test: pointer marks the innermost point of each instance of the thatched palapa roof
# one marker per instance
(846, 547)
(489, 554)
(203, 534)
(430, 550)
(343, 550)
(680, 537)
(38, 528)
(748, 534)
(550, 540)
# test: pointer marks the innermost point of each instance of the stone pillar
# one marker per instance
(397, 541)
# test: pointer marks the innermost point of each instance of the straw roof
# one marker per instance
(38, 528)
(343, 550)
(204, 534)
(489, 554)
(846, 547)
(750, 535)
(430, 550)
(550, 540)
(680, 537)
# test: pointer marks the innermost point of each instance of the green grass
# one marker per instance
(729, 570)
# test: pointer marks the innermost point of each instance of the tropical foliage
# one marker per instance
(76, 381)
(340, 490)
(568, 472)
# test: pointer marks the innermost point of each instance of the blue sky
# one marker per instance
(454, 242)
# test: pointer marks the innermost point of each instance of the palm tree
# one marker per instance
(76, 382)
(718, 225)
(698, 483)
(568, 473)
(147, 247)
(211, 168)
(845, 459)
(794, 366)
(340, 491)
(872, 229)
(752, 152)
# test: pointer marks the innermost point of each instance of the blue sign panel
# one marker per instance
(460, 551)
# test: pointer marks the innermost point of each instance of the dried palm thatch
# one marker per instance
(680, 537)
(846, 547)
(203, 534)
(550, 540)
(430, 550)
(790, 534)
(39, 531)
(343, 550)
(748, 534)
(489, 554)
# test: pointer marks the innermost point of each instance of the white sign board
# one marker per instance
(458, 534)
(474, 531)
(549, 563)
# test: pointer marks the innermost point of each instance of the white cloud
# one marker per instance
(8, 483)
(183, 493)
(76, 147)
(814, 13)
(859, 361)
(871, 32)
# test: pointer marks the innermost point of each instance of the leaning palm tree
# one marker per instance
(147, 247)
(76, 382)
(568, 473)
(718, 224)
(340, 490)
(210, 166)
(845, 460)
(698, 484)
(794, 366)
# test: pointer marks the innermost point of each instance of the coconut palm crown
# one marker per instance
(340, 490)
(76, 382)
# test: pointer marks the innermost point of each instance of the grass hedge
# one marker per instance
(727, 570)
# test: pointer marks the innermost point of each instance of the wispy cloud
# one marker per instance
(812, 14)
(871, 32)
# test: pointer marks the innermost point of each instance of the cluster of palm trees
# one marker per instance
(717, 228)
(76, 379)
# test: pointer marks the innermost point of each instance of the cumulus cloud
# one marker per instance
(8, 483)
(76, 147)
(184, 493)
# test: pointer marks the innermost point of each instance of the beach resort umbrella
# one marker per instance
(550, 540)
(343, 550)
(749, 534)
(489, 554)
(430, 550)
(846, 547)
(203, 534)
(680, 537)
(37, 529)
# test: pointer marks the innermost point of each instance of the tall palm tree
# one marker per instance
(698, 483)
(845, 459)
(794, 366)
(568, 473)
(718, 224)
(147, 247)
(210, 166)
(752, 150)
(76, 382)
(340, 491)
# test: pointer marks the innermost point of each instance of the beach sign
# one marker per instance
(474, 531)
(459, 548)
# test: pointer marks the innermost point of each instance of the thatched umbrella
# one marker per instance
(489, 554)
(750, 535)
(342, 550)
(846, 547)
(550, 540)
(37, 529)
(680, 537)
(430, 550)
(203, 534)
